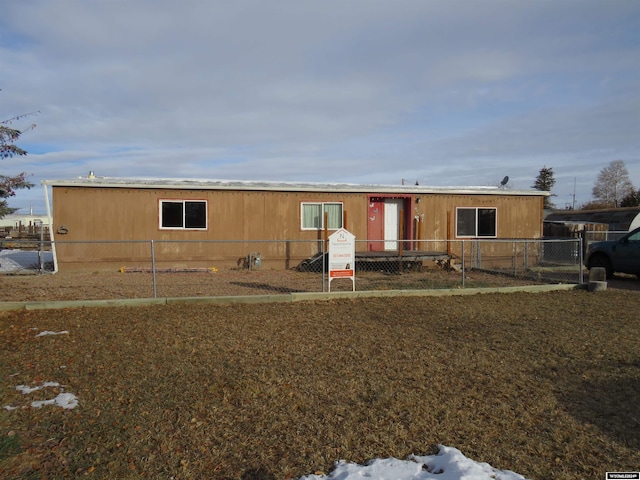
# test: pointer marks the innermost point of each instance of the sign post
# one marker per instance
(342, 256)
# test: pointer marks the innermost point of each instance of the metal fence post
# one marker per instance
(324, 269)
(462, 269)
(581, 259)
(41, 248)
(153, 268)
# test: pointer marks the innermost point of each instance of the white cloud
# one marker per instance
(358, 91)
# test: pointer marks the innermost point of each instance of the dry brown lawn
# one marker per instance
(547, 385)
(101, 285)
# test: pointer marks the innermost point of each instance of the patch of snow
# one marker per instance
(15, 260)
(448, 464)
(48, 332)
(64, 400)
(25, 390)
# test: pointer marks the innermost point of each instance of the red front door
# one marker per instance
(375, 225)
(383, 233)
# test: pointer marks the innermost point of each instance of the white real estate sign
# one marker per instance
(342, 256)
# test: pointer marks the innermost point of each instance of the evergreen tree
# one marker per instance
(545, 182)
(631, 200)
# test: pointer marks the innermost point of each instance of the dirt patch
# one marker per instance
(542, 384)
(116, 285)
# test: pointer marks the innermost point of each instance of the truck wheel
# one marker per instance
(602, 261)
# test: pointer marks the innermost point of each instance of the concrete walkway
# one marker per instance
(290, 297)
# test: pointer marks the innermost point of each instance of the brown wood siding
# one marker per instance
(123, 214)
(106, 214)
(517, 216)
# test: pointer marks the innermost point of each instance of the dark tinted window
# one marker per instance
(486, 222)
(195, 215)
(172, 216)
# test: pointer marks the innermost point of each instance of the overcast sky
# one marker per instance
(447, 93)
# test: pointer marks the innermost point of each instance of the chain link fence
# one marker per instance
(149, 269)
(25, 256)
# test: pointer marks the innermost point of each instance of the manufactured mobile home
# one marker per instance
(101, 222)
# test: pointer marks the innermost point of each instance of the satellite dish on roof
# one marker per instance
(505, 180)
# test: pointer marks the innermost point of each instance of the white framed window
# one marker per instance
(183, 214)
(476, 222)
(312, 215)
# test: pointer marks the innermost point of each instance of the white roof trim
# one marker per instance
(255, 185)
